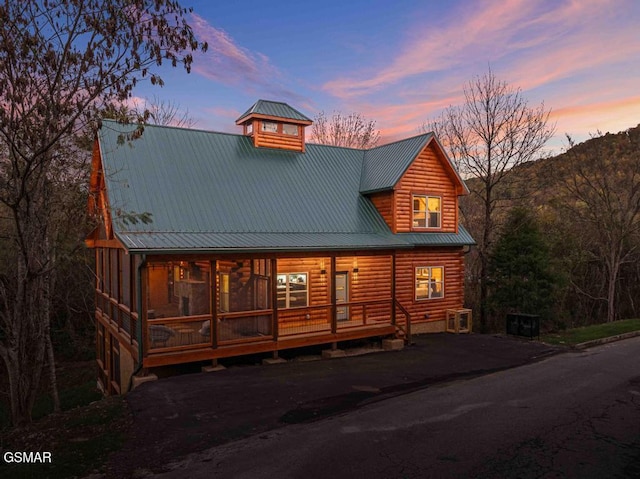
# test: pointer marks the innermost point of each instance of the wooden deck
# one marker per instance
(259, 345)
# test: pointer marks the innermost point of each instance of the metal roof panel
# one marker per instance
(196, 181)
(461, 238)
(211, 191)
(149, 242)
(273, 108)
(384, 165)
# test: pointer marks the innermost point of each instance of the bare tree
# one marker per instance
(164, 112)
(602, 196)
(493, 131)
(352, 131)
(61, 62)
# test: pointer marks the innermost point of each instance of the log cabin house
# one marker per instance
(259, 242)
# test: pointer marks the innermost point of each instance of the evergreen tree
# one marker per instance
(520, 273)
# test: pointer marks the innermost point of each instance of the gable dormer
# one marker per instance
(413, 185)
(273, 124)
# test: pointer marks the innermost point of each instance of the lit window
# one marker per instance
(270, 126)
(292, 290)
(427, 211)
(429, 282)
(289, 129)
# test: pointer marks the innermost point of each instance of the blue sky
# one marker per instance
(401, 62)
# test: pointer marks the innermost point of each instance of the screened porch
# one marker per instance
(217, 304)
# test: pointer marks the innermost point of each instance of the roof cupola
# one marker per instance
(273, 124)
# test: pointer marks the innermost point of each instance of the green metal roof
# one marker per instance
(273, 108)
(211, 191)
(384, 165)
(169, 242)
(462, 238)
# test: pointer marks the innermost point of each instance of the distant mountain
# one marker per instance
(537, 182)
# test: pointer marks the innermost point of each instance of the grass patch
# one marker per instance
(571, 337)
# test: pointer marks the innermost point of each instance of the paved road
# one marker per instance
(573, 415)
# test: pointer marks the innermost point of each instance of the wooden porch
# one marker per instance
(210, 308)
(199, 353)
(181, 340)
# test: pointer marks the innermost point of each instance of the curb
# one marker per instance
(610, 339)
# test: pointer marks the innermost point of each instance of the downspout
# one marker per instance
(142, 265)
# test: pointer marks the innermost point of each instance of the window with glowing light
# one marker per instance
(429, 282)
(293, 291)
(427, 211)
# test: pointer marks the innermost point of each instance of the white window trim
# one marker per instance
(415, 282)
(267, 122)
(413, 212)
(288, 291)
(295, 127)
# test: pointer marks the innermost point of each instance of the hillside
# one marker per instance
(586, 201)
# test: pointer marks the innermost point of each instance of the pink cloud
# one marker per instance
(225, 61)
(402, 120)
(437, 49)
(555, 37)
(610, 116)
(231, 64)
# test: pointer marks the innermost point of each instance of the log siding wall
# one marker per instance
(282, 141)
(318, 287)
(425, 176)
(385, 204)
(452, 259)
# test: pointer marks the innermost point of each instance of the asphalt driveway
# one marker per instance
(179, 415)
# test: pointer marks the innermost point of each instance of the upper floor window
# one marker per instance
(249, 128)
(290, 129)
(427, 211)
(270, 126)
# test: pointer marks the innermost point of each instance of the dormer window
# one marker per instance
(249, 130)
(290, 129)
(427, 211)
(270, 126)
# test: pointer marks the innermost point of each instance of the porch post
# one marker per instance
(213, 268)
(393, 288)
(274, 298)
(142, 312)
(334, 309)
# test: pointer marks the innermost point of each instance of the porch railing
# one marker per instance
(307, 320)
(178, 333)
(119, 315)
(364, 313)
(404, 325)
(245, 325)
(195, 332)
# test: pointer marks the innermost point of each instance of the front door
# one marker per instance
(342, 295)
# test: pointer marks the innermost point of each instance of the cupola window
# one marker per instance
(290, 129)
(270, 126)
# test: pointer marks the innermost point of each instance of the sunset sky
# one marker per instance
(401, 62)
